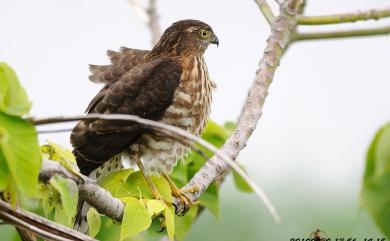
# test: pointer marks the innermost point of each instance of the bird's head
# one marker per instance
(186, 37)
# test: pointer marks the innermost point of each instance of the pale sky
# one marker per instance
(326, 102)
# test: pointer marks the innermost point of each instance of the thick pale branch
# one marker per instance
(374, 14)
(277, 43)
(341, 34)
(89, 191)
(38, 225)
(266, 10)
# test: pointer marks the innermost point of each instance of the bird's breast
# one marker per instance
(189, 110)
(191, 103)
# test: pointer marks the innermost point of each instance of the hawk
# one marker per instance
(169, 83)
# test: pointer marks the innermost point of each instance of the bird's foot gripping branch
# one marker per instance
(123, 196)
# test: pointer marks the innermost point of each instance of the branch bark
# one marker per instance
(153, 24)
(89, 191)
(38, 225)
(374, 14)
(276, 45)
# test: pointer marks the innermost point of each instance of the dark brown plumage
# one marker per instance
(146, 90)
(170, 84)
(138, 82)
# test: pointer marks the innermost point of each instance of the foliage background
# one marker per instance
(326, 103)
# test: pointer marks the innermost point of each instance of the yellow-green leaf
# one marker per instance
(94, 222)
(60, 216)
(13, 98)
(4, 172)
(136, 183)
(19, 146)
(61, 154)
(69, 192)
(115, 180)
(155, 207)
(169, 215)
(136, 218)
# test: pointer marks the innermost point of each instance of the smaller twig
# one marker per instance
(341, 34)
(280, 2)
(374, 14)
(266, 10)
(54, 131)
(154, 26)
(148, 16)
(139, 11)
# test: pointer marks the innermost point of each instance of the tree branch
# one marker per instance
(276, 45)
(38, 225)
(266, 10)
(154, 26)
(103, 202)
(148, 16)
(89, 191)
(341, 34)
(374, 14)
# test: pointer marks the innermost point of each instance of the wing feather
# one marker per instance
(146, 90)
(121, 62)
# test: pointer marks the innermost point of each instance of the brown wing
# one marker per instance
(121, 62)
(146, 90)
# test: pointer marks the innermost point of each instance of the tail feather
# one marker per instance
(81, 223)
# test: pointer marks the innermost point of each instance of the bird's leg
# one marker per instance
(155, 193)
(181, 194)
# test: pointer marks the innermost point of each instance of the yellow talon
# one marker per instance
(181, 194)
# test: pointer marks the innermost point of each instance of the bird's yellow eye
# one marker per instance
(204, 33)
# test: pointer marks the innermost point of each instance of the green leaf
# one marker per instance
(19, 145)
(179, 173)
(69, 192)
(169, 215)
(375, 195)
(155, 207)
(115, 180)
(215, 134)
(4, 172)
(60, 216)
(184, 223)
(94, 222)
(47, 205)
(136, 218)
(210, 199)
(61, 154)
(13, 98)
(10, 194)
(240, 183)
(136, 183)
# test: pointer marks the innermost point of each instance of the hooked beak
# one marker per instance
(214, 40)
